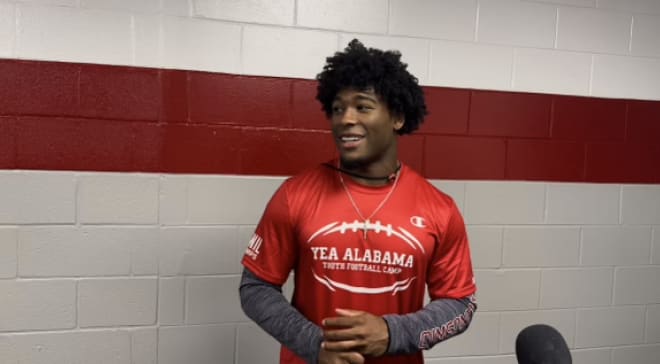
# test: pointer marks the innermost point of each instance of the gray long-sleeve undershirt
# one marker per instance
(266, 305)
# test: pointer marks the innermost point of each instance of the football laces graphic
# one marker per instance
(376, 227)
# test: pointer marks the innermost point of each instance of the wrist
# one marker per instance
(392, 322)
(389, 336)
(315, 347)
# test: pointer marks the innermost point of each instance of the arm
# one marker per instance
(269, 259)
(451, 286)
(398, 334)
(439, 320)
(267, 265)
(266, 305)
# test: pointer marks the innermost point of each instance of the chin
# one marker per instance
(352, 162)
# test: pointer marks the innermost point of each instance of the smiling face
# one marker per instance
(364, 129)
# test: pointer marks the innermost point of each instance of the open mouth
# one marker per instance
(351, 141)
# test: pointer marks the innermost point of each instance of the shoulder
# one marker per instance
(310, 181)
(426, 192)
(317, 174)
(442, 211)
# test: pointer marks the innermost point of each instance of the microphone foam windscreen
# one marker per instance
(542, 344)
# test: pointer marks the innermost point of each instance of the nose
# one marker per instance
(349, 117)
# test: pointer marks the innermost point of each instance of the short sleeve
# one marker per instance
(450, 273)
(271, 252)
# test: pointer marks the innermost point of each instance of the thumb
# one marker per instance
(353, 358)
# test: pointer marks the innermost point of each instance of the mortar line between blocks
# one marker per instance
(388, 15)
(621, 204)
(185, 299)
(77, 315)
(295, 13)
(580, 245)
(76, 201)
(236, 359)
(133, 39)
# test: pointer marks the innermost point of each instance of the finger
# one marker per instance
(346, 345)
(342, 321)
(353, 358)
(348, 313)
(339, 335)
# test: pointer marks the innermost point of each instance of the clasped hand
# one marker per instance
(352, 335)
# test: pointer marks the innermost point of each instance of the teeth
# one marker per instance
(350, 138)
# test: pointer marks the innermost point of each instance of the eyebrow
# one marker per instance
(366, 97)
(360, 97)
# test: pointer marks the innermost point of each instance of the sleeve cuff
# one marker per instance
(394, 325)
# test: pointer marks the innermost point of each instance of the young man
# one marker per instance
(365, 234)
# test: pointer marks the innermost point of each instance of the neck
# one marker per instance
(375, 174)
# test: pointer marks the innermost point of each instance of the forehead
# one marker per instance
(353, 94)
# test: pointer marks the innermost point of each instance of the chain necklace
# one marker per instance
(366, 221)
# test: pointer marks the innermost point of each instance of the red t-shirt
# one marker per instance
(416, 240)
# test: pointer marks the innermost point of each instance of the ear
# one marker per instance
(398, 123)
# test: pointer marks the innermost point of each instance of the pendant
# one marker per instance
(365, 228)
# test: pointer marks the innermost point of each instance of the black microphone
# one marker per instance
(542, 344)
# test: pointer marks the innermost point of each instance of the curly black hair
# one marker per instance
(362, 68)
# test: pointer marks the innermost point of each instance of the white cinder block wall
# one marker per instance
(144, 268)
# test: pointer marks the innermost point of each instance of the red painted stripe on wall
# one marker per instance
(69, 116)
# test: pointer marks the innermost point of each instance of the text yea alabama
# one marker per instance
(357, 255)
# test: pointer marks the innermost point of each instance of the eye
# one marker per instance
(336, 109)
(364, 108)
